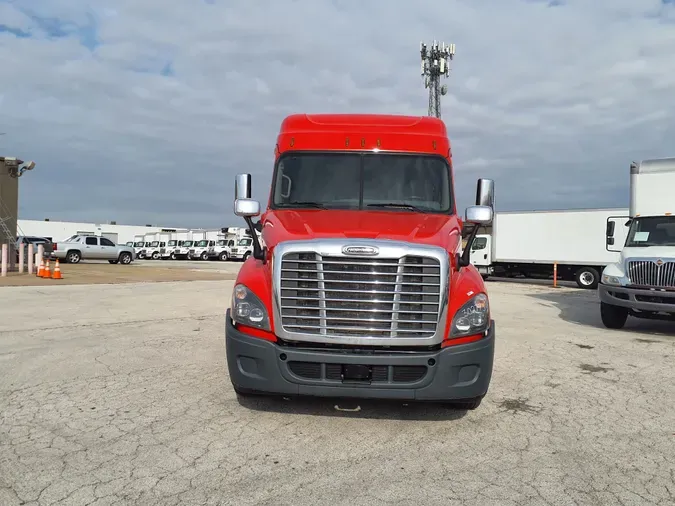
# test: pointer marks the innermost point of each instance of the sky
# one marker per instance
(143, 111)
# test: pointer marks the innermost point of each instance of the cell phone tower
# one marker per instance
(435, 64)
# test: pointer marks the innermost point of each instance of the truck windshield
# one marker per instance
(221, 243)
(245, 242)
(380, 181)
(172, 243)
(138, 244)
(154, 244)
(202, 244)
(651, 231)
(187, 244)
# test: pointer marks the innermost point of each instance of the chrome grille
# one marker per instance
(648, 273)
(360, 297)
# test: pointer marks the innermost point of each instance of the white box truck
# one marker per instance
(202, 243)
(530, 243)
(641, 283)
(185, 243)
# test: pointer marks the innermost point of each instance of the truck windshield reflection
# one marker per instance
(375, 181)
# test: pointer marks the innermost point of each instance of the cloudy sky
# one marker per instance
(142, 111)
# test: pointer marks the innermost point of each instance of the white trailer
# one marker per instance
(530, 244)
(641, 282)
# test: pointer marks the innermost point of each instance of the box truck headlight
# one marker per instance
(472, 318)
(611, 280)
(248, 309)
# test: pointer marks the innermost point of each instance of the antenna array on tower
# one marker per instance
(435, 64)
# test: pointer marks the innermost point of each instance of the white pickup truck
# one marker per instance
(91, 247)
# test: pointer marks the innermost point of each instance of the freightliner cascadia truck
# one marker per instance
(642, 283)
(362, 288)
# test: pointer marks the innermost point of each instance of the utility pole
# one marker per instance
(435, 64)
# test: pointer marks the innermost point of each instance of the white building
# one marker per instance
(60, 230)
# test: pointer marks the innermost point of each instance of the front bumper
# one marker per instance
(450, 374)
(642, 299)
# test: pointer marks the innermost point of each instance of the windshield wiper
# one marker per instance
(317, 205)
(408, 207)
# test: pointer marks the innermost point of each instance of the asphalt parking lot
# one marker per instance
(119, 394)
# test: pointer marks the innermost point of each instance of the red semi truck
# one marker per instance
(363, 288)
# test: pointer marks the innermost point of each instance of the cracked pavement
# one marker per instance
(119, 394)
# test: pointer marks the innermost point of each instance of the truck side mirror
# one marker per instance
(477, 216)
(248, 208)
(485, 193)
(242, 186)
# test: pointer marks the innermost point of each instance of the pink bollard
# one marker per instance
(31, 258)
(5, 260)
(22, 257)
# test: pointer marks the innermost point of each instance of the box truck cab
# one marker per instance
(362, 289)
(223, 247)
(243, 248)
(642, 283)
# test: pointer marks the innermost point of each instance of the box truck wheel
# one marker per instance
(613, 317)
(587, 277)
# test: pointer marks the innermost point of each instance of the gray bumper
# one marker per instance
(455, 373)
(638, 298)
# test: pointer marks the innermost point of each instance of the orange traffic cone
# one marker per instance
(57, 270)
(46, 273)
(41, 268)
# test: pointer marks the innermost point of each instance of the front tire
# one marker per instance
(587, 278)
(613, 317)
(125, 258)
(204, 256)
(224, 256)
(73, 257)
(246, 255)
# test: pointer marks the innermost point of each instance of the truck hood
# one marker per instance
(432, 229)
(650, 252)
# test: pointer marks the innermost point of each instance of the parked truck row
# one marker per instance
(232, 243)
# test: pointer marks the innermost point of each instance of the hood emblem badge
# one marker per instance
(659, 262)
(366, 251)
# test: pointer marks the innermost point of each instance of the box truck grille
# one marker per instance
(649, 273)
(354, 297)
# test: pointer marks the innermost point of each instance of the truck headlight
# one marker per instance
(247, 309)
(472, 318)
(611, 280)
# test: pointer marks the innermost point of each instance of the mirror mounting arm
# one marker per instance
(464, 260)
(259, 253)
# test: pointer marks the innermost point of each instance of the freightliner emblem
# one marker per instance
(367, 251)
(659, 262)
